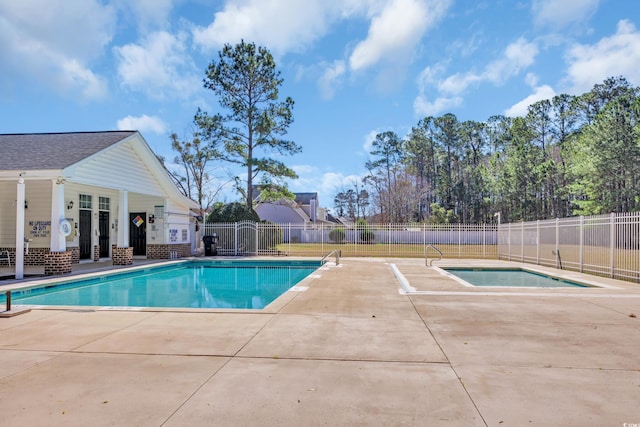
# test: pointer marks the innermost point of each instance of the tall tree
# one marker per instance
(521, 180)
(194, 177)
(420, 158)
(387, 152)
(447, 134)
(353, 202)
(246, 81)
(472, 188)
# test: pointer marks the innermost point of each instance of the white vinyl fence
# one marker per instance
(384, 240)
(605, 245)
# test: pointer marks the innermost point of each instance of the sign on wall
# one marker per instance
(39, 229)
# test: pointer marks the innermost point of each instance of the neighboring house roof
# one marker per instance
(331, 218)
(40, 151)
(305, 198)
(281, 213)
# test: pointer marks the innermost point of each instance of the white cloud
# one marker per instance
(531, 79)
(517, 56)
(330, 79)
(143, 124)
(369, 140)
(159, 66)
(149, 13)
(559, 13)
(612, 56)
(423, 107)
(396, 30)
(540, 93)
(281, 25)
(37, 43)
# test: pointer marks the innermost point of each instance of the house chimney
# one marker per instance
(313, 210)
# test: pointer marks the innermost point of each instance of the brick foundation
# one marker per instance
(163, 251)
(56, 263)
(121, 256)
(35, 257)
(96, 253)
(75, 254)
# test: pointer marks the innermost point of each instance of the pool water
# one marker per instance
(193, 284)
(510, 277)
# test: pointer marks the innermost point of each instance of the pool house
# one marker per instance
(67, 198)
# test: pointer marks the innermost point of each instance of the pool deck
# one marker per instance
(351, 349)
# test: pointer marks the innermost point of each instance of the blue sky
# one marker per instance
(353, 67)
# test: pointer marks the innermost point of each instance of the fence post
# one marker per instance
(484, 240)
(557, 239)
(581, 245)
(235, 239)
(537, 242)
(509, 241)
(522, 241)
(612, 242)
(459, 241)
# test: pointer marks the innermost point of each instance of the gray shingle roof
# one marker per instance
(33, 151)
(305, 198)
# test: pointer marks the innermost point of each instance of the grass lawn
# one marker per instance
(388, 250)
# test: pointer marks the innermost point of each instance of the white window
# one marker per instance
(104, 203)
(85, 201)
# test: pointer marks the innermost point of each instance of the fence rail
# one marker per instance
(375, 240)
(604, 245)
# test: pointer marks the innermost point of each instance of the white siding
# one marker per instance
(118, 168)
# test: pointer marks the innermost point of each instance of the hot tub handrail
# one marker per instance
(336, 252)
(426, 253)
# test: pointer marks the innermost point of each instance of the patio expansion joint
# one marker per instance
(448, 362)
(343, 359)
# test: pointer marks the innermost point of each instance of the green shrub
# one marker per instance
(366, 235)
(232, 212)
(337, 235)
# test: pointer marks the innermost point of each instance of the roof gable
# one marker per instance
(44, 151)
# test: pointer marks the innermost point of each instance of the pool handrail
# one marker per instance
(336, 252)
(426, 253)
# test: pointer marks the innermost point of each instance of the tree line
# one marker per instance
(569, 155)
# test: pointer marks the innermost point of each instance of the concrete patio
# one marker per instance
(350, 350)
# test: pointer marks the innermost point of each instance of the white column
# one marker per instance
(123, 219)
(58, 242)
(20, 230)
(95, 237)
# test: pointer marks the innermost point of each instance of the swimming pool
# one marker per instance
(511, 277)
(189, 284)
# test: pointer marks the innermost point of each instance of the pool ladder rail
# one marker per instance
(336, 253)
(426, 254)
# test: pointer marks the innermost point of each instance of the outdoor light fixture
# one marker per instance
(70, 205)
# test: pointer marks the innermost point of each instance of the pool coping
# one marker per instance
(273, 307)
(585, 283)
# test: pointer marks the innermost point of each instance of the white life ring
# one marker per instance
(65, 227)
